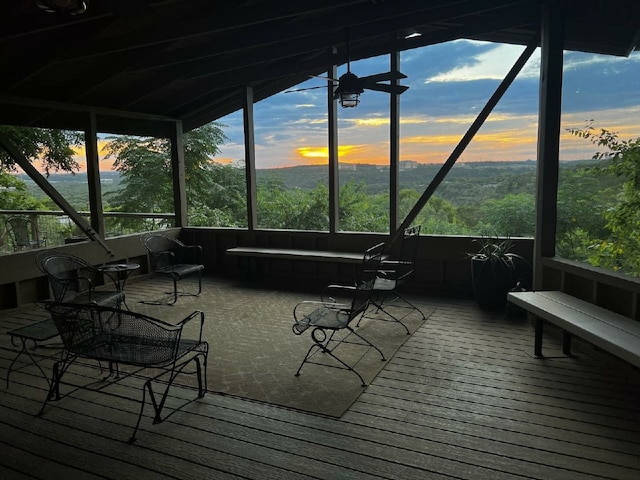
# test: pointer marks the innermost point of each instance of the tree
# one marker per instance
(214, 191)
(53, 147)
(511, 216)
(620, 250)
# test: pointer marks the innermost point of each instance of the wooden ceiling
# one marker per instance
(139, 64)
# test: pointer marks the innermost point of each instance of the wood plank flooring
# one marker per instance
(462, 399)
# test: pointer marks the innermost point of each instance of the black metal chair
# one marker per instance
(155, 351)
(24, 234)
(169, 256)
(394, 273)
(72, 279)
(330, 321)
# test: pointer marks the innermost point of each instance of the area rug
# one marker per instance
(254, 353)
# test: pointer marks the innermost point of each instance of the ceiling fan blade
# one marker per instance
(324, 78)
(381, 87)
(382, 77)
(303, 89)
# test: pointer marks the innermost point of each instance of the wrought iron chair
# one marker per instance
(155, 351)
(392, 274)
(24, 234)
(72, 279)
(330, 321)
(171, 257)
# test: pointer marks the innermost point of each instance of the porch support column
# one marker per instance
(394, 147)
(178, 169)
(332, 143)
(250, 159)
(552, 43)
(93, 175)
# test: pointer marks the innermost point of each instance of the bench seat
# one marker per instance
(612, 332)
(297, 254)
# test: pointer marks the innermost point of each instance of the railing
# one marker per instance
(56, 228)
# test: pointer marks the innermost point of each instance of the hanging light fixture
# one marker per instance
(349, 90)
(72, 7)
(349, 85)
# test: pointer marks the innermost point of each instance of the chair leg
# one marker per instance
(382, 302)
(321, 342)
(380, 308)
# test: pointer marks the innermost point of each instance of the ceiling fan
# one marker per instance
(350, 86)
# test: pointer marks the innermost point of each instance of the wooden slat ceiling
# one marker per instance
(137, 63)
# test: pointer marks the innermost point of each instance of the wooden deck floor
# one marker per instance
(462, 398)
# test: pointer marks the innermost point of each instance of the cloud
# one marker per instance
(491, 64)
(449, 84)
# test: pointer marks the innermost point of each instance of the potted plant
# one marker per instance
(494, 271)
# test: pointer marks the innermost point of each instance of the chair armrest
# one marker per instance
(329, 292)
(304, 308)
(395, 269)
(194, 314)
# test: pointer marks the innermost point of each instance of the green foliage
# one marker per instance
(495, 250)
(15, 196)
(619, 245)
(513, 215)
(53, 147)
(215, 191)
(295, 209)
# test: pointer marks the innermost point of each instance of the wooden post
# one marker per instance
(250, 159)
(93, 175)
(334, 183)
(552, 43)
(179, 182)
(394, 147)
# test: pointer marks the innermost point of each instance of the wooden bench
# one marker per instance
(614, 333)
(253, 253)
(296, 254)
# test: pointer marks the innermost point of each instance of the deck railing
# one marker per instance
(56, 228)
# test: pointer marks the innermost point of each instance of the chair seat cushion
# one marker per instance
(181, 270)
(104, 299)
(384, 284)
(134, 349)
(325, 318)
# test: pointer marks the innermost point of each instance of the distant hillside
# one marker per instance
(467, 183)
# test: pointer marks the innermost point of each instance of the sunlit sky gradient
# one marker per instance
(449, 85)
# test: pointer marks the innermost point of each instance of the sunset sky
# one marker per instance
(449, 85)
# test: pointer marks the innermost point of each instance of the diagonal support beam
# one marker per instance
(466, 139)
(59, 200)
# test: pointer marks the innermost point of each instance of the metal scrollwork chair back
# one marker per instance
(392, 274)
(169, 256)
(73, 279)
(24, 234)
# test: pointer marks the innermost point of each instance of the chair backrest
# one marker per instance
(365, 279)
(106, 333)
(74, 325)
(163, 249)
(21, 230)
(409, 246)
(69, 276)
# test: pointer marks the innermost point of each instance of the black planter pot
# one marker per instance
(492, 280)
